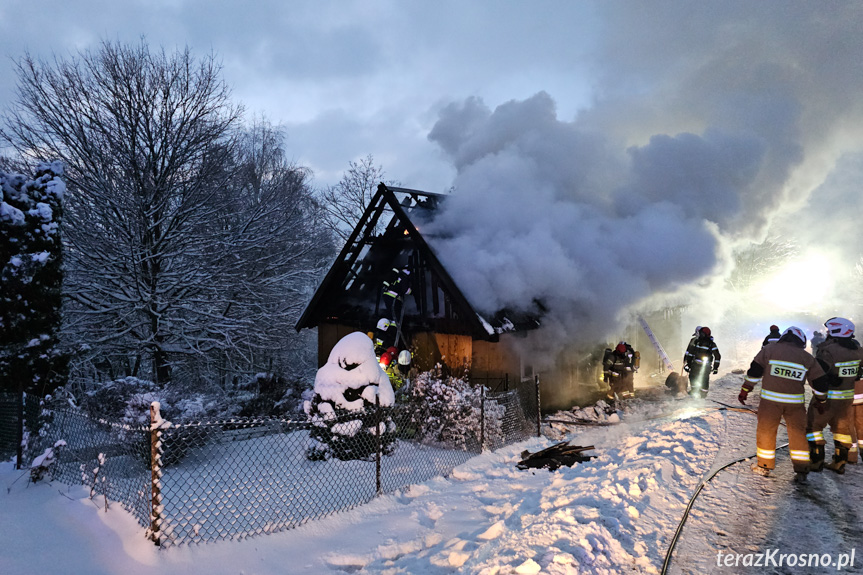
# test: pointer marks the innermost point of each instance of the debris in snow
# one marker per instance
(42, 464)
(553, 457)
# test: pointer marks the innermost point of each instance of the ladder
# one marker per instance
(656, 344)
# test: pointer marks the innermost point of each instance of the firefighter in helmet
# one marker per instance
(619, 367)
(395, 287)
(840, 355)
(700, 358)
(782, 369)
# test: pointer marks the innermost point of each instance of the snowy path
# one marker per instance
(739, 512)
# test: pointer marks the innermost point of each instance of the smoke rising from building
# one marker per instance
(715, 125)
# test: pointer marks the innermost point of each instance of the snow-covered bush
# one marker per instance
(270, 394)
(447, 410)
(346, 424)
(110, 400)
(127, 401)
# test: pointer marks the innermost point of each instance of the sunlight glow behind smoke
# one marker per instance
(801, 285)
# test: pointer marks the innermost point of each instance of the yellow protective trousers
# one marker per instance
(770, 414)
(837, 414)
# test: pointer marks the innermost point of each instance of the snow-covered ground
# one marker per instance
(617, 513)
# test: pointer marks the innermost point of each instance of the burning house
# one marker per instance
(438, 322)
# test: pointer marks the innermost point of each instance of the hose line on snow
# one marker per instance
(677, 533)
(679, 530)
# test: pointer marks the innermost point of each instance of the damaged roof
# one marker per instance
(351, 291)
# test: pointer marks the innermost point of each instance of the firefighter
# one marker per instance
(773, 336)
(389, 364)
(782, 368)
(629, 381)
(857, 420)
(385, 335)
(619, 365)
(700, 358)
(395, 287)
(840, 356)
(817, 339)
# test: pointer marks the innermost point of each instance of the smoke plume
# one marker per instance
(714, 125)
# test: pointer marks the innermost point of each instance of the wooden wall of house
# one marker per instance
(329, 335)
(493, 362)
(452, 351)
(565, 386)
(574, 379)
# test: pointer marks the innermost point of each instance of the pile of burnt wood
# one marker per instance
(555, 456)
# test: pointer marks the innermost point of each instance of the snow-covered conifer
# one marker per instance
(31, 280)
(346, 421)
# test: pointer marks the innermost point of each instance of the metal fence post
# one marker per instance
(20, 430)
(538, 410)
(154, 533)
(378, 488)
(482, 419)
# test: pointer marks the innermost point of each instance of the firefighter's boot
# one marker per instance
(816, 457)
(839, 460)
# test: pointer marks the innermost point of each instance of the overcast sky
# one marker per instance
(643, 141)
(347, 78)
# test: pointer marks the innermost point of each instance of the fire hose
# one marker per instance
(679, 530)
(701, 485)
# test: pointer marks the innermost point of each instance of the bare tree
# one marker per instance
(146, 138)
(345, 202)
(758, 261)
(269, 226)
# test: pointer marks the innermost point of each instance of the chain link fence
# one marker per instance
(230, 479)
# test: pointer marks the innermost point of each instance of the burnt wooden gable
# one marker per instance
(351, 292)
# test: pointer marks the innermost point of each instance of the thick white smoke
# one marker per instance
(713, 122)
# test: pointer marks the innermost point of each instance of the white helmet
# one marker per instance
(796, 331)
(839, 327)
(404, 357)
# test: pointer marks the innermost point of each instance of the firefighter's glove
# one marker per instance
(715, 370)
(820, 405)
(686, 367)
(605, 377)
(741, 397)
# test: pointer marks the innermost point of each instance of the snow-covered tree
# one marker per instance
(145, 137)
(346, 421)
(757, 261)
(191, 242)
(272, 228)
(31, 281)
